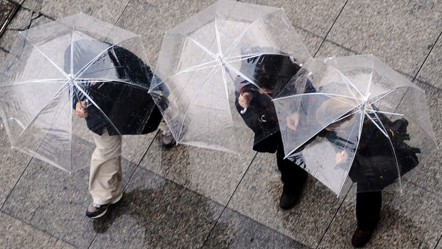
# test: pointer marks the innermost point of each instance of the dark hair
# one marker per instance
(274, 69)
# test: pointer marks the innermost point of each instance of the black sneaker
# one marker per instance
(94, 210)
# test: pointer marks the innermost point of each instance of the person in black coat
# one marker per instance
(374, 166)
(120, 106)
(271, 72)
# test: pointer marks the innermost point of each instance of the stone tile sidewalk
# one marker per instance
(193, 198)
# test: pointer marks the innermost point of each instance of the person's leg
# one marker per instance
(293, 177)
(368, 209)
(105, 179)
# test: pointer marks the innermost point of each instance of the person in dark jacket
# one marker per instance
(374, 166)
(111, 109)
(271, 72)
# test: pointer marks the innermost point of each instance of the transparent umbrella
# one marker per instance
(365, 123)
(204, 63)
(77, 59)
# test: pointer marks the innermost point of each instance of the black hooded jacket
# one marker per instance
(272, 72)
(374, 166)
(120, 107)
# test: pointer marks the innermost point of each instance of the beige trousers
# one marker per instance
(105, 178)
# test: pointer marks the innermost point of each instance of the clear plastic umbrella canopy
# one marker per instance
(53, 66)
(365, 123)
(204, 62)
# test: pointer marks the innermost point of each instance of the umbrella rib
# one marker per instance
(223, 71)
(239, 72)
(101, 70)
(348, 83)
(376, 124)
(218, 38)
(197, 67)
(203, 48)
(43, 158)
(72, 52)
(39, 50)
(228, 66)
(317, 132)
(187, 70)
(370, 82)
(35, 81)
(380, 97)
(85, 67)
(96, 106)
(383, 130)
(211, 74)
(391, 113)
(316, 93)
(64, 87)
(385, 95)
(237, 58)
(104, 80)
(237, 40)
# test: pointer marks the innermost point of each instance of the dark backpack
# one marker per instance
(374, 167)
(405, 154)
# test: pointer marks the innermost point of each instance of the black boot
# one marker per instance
(361, 237)
(290, 196)
(368, 210)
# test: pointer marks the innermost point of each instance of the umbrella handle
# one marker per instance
(243, 111)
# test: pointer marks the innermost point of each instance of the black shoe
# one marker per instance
(361, 237)
(94, 210)
(289, 199)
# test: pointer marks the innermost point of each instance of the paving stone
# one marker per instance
(158, 17)
(429, 169)
(237, 231)
(411, 220)
(7, 10)
(15, 234)
(430, 72)
(330, 49)
(258, 195)
(316, 16)
(398, 33)
(106, 11)
(21, 21)
(3, 54)
(156, 213)
(12, 165)
(54, 201)
(439, 245)
(211, 173)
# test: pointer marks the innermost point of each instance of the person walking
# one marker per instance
(112, 109)
(271, 73)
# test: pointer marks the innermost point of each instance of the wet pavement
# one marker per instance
(186, 197)
(7, 11)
